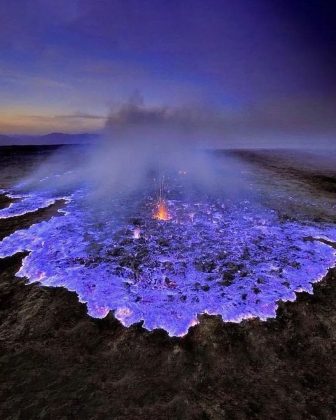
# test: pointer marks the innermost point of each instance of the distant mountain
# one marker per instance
(48, 139)
(5, 140)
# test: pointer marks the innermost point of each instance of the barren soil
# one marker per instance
(58, 363)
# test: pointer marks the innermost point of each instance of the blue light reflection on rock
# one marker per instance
(233, 259)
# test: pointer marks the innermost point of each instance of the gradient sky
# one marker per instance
(65, 64)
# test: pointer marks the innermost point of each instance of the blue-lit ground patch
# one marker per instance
(231, 258)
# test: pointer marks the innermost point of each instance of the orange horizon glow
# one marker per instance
(31, 121)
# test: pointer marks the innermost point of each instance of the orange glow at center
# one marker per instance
(161, 212)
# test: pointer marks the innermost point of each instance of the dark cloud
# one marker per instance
(315, 23)
(80, 115)
(249, 47)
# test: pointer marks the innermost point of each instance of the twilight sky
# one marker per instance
(265, 68)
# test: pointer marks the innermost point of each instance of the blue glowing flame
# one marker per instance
(233, 259)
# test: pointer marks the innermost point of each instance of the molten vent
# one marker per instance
(137, 233)
(161, 212)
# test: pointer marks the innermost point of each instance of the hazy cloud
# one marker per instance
(292, 122)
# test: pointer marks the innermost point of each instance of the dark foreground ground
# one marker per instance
(58, 363)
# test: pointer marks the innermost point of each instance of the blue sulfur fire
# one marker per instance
(227, 257)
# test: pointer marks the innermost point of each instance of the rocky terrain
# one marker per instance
(56, 362)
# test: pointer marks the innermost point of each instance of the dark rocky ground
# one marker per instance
(58, 363)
